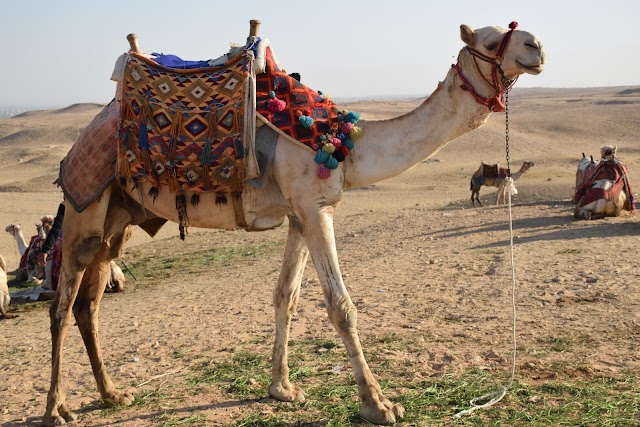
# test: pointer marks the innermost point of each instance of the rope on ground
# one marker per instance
(491, 399)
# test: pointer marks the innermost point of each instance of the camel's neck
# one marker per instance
(390, 147)
(517, 175)
(22, 245)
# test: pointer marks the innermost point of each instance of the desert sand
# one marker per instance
(418, 259)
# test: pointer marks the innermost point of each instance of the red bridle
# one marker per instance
(499, 83)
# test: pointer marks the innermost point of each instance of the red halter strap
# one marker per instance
(499, 83)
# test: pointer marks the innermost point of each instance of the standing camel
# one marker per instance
(494, 176)
(461, 103)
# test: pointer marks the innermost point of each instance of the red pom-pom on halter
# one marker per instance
(513, 25)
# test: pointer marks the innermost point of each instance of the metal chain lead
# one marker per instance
(506, 105)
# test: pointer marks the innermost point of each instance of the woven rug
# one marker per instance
(90, 166)
(185, 129)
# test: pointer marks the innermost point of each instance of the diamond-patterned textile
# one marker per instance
(184, 128)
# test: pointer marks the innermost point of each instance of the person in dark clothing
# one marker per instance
(52, 236)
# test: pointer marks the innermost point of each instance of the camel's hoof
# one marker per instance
(286, 392)
(384, 414)
(66, 416)
(118, 399)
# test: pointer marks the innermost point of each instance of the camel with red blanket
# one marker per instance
(605, 189)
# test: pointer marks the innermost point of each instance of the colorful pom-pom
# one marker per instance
(331, 163)
(315, 146)
(513, 25)
(346, 127)
(306, 121)
(323, 137)
(272, 94)
(329, 148)
(321, 157)
(340, 116)
(276, 105)
(336, 142)
(345, 112)
(339, 155)
(298, 113)
(323, 172)
(347, 143)
(352, 117)
(345, 151)
(355, 133)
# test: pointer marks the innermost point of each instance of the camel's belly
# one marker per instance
(206, 214)
(255, 210)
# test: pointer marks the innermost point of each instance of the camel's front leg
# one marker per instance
(83, 237)
(320, 239)
(285, 300)
(87, 305)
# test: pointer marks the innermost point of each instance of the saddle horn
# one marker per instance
(133, 43)
(254, 27)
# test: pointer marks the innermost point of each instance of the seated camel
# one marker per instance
(605, 189)
(29, 268)
(493, 175)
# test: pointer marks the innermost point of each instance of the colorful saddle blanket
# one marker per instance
(185, 128)
(605, 181)
(493, 171)
(305, 115)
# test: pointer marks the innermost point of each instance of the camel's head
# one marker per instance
(523, 53)
(608, 152)
(526, 166)
(13, 229)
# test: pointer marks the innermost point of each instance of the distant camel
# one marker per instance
(494, 176)
(16, 231)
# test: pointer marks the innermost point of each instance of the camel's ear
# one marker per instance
(467, 35)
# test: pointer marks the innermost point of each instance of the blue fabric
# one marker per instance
(173, 61)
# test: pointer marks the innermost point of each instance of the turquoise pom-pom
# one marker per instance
(331, 163)
(272, 94)
(321, 157)
(340, 116)
(323, 137)
(352, 117)
(347, 143)
(306, 121)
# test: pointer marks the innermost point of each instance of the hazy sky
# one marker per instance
(60, 52)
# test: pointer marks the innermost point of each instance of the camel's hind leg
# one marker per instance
(83, 238)
(319, 236)
(285, 300)
(87, 305)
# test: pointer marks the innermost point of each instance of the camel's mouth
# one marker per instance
(531, 69)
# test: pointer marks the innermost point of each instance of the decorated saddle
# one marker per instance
(493, 171)
(605, 181)
(306, 115)
(192, 129)
(185, 128)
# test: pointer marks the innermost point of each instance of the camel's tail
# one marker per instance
(3, 264)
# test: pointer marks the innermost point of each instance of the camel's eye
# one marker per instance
(491, 46)
(531, 45)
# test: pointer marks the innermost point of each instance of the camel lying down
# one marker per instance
(293, 190)
(602, 188)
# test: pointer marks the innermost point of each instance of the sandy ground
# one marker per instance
(417, 258)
